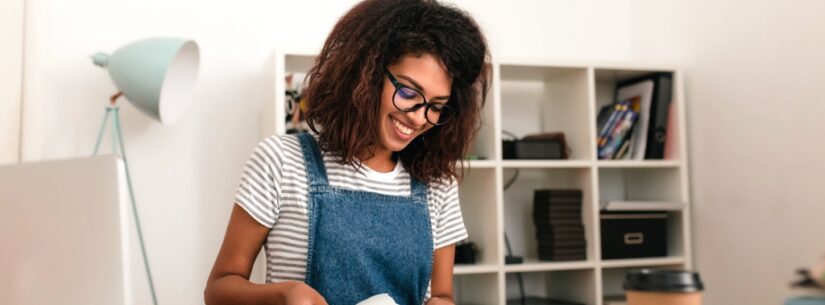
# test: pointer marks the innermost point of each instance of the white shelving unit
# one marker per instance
(531, 97)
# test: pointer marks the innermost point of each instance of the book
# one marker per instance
(539, 222)
(542, 217)
(620, 134)
(545, 201)
(644, 90)
(559, 193)
(556, 208)
(560, 240)
(572, 253)
(563, 219)
(557, 211)
(611, 127)
(604, 114)
(608, 124)
(565, 257)
(623, 151)
(570, 229)
(559, 235)
(562, 245)
(627, 139)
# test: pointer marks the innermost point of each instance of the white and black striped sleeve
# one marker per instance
(259, 190)
(450, 224)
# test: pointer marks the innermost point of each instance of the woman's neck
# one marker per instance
(381, 160)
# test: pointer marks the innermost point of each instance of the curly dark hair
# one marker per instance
(343, 88)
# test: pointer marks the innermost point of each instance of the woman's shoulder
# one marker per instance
(279, 147)
(444, 186)
(278, 139)
(281, 141)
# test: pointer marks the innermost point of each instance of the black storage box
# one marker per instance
(633, 234)
(533, 149)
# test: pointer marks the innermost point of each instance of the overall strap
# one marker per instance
(418, 190)
(316, 172)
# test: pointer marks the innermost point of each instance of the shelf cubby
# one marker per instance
(569, 285)
(605, 87)
(518, 205)
(476, 289)
(478, 207)
(640, 184)
(537, 99)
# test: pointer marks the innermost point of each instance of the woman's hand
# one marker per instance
(299, 293)
(438, 301)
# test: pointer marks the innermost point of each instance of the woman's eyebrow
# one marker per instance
(419, 88)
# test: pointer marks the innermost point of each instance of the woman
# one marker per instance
(368, 205)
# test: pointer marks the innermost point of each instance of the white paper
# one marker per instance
(380, 299)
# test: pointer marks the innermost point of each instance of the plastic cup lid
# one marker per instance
(663, 281)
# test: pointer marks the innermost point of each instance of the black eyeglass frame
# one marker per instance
(427, 105)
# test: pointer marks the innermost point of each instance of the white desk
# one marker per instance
(64, 231)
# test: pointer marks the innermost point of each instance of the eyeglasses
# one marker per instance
(407, 99)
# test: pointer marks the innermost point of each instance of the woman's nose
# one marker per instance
(418, 117)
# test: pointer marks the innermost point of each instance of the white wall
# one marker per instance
(754, 78)
(11, 68)
(755, 86)
(185, 174)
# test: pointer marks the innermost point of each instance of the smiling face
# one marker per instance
(424, 73)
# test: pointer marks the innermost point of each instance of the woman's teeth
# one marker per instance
(404, 129)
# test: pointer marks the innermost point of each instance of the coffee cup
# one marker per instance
(663, 287)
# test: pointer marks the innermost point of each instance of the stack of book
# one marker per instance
(636, 125)
(615, 136)
(557, 215)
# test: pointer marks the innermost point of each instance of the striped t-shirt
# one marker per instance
(274, 190)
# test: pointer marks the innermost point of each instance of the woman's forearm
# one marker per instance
(235, 289)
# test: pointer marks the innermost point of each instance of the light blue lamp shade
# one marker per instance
(157, 75)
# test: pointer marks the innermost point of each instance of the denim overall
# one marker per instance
(364, 243)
